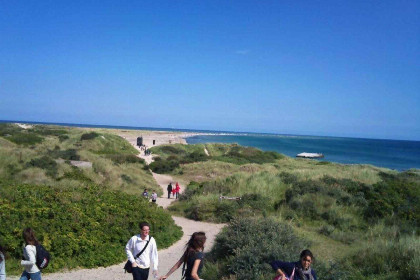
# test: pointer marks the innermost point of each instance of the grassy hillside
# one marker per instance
(83, 214)
(342, 211)
(42, 155)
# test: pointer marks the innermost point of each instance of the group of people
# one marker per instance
(145, 149)
(141, 255)
(142, 252)
(153, 196)
(173, 190)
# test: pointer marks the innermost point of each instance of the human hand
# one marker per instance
(163, 277)
(134, 264)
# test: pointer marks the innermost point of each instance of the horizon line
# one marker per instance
(192, 130)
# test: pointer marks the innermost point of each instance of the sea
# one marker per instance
(400, 155)
(393, 154)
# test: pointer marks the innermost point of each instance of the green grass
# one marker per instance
(81, 226)
(112, 157)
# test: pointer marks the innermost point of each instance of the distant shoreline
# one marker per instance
(198, 131)
(393, 154)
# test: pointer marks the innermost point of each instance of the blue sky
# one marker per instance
(339, 68)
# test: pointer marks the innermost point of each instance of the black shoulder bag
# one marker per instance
(128, 267)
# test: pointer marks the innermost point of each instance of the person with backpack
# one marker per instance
(300, 270)
(2, 264)
(192, 259)
(141, 251)
(29, 256)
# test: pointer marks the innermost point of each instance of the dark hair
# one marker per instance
(306, 253)
(143, 224)
(195, 244)
(1, 251)
(29, 237)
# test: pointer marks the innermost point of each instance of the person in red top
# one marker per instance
(177, 189)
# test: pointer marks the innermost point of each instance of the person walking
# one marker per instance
(138, 243)
(154, 196)
(177, 189)
(2, 264)
(29, 256)
(192, 258)
(300, 270)
(169, 188)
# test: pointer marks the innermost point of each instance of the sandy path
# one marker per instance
(167, 257)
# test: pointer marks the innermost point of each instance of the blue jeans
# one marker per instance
(33, 276)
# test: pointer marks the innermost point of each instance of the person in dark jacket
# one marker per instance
(169, 190)
(301, 269)
(192, 259)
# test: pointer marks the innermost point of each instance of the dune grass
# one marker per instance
(340, 209)
(113, 159)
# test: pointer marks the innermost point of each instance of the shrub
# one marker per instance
(62, 138)
(124, 158)
(80, 226)
(46, 163)
(247, 245)
(163, 166)
(89, 136)
(70, 154)
(25, 139)
(385, 257)
(76, 174)
(47, 131)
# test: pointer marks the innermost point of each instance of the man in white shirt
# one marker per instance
(135, 245)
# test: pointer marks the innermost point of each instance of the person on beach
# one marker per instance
(192, 258)
(29, 256)
(301, 270)
(154, 196)
(135, 245)
(169, 188)
(2, 264)
(177, 189)
(145, 194)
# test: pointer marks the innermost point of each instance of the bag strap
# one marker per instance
(139, 254)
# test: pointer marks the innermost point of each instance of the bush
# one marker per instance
(70, 154)
(63, 138)
(163, 166)
(76, 174)
(385, 257)
(247, 245)
(89, 136)
(80, 226)
(46, 163)
(25, 139)
(124, 158)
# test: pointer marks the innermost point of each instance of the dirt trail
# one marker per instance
(167, 257)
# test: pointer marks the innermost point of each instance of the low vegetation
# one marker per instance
(170, 157)
(47, 161)
(83, 226)
(74, 187)
(342, 211)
